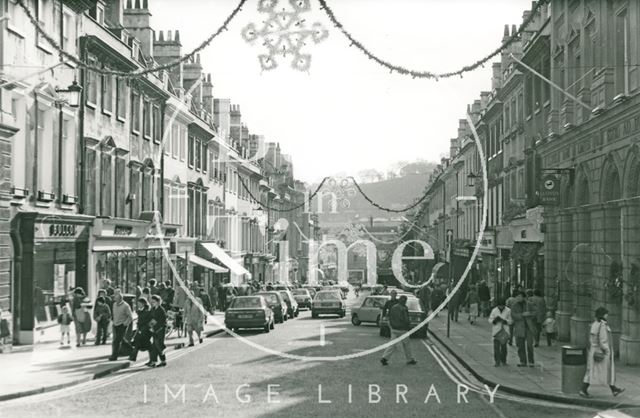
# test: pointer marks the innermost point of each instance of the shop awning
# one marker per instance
(225, 259)
(204, 263)
(525, 252)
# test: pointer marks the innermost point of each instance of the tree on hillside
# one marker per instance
(417, 167)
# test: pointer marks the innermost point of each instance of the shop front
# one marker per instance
(504, 268)
(50, 259)
(527, 252)
(238, 274)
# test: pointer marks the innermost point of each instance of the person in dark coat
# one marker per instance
(541, 311)
(142, 337)
(206, 301)
(158, 323)
(102, 316)
(522, 330)
(484, 296)
(454, 304)
(436, 297)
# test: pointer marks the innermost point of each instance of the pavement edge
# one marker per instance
(593, 403)
(111, 370)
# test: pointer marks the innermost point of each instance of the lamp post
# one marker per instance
(450, 244)
(71, 97)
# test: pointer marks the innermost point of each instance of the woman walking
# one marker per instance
(472, 303)
(194, 320)
(80, 316)
(142, 338)
(600, 366)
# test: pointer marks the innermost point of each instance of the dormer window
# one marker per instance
(97, 13)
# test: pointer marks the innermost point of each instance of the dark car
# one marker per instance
(312, 291)
(417, 314)
(290, 300)
(277, 305)
(303, 297)
(249, 312)
(328, 302)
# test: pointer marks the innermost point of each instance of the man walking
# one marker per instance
(122, 318)
(523, 332)
(390, 303)
(157, 322)
(484, 295)
(399, 324)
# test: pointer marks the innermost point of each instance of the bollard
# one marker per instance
(574, 366)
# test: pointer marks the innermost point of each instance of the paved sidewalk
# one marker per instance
(472, 345)
(50, 366)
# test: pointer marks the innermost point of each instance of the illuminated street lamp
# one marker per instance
(471, 179)
(71, 96)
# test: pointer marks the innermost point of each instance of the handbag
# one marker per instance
(502, 336)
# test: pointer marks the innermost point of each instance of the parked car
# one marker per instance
(303, 297)
(630, 412)
(249, 312)
(328, 302)
(312, 290)
(417, 314)
(277, 305)
(369, 311)
(290, 300)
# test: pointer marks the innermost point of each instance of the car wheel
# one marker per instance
(355, 321)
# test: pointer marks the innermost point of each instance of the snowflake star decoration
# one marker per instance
(285, 32)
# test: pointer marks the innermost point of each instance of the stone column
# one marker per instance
(551, 257)
(582, 282)
(612, 249)
(630, 227)
(565, 298)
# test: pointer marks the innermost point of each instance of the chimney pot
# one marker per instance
(128, 4)
(145, 4)
(197, 58)
(514, 30)
(506, 31)
(160, 36)
(137, 4)
(169, 38)
(177, 37)
(209, 78)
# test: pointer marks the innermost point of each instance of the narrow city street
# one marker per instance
(227, 377)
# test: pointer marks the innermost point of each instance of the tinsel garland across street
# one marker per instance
(423, 73)
(137, 73)
(285, 32)
(408, 208)
(291, 209)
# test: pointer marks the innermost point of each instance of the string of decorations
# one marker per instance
(373, 203)
(423, 73)
(291, 209)
(133, 74)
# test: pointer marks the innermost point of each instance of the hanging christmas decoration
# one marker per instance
(285, 32)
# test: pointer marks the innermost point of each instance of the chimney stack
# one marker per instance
(192, 75)
(222, 117)
(207, 94)
(137, 22)
(114, 12)
(235, 129)
(496, 79)
(169, 50)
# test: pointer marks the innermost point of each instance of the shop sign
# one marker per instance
(170, 232)
(62, 230)
(122, 230)
(57, 230)
(550, 190)
(461, 252)
(488, 242)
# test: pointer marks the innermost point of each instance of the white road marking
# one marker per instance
(322, 343)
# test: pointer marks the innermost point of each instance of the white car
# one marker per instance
(370, 310)
(619, 413)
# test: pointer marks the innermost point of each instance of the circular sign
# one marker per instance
(549, 182)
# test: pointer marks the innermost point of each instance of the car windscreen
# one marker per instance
(285, 296)
(300, 292)
(241, 303)
(414, 305)
(328, 296)
(270, 298)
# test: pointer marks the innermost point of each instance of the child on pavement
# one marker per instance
(102, 316)
(64, 319)
(549, 325)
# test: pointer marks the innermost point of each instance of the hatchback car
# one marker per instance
(303, 297)
(417, 314)
(369, 311)
(328, 302)
(249, 312)
(290, 300)
(277, 305)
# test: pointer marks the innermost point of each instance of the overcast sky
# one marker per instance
(347, 113)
